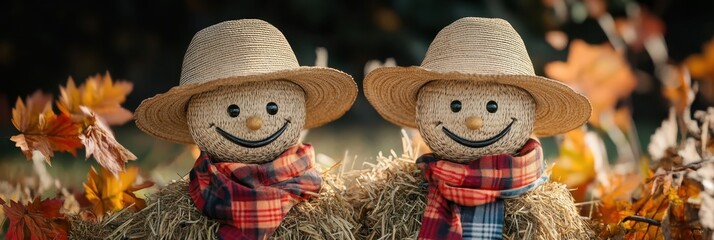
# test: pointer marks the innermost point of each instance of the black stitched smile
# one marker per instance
(253, 144)
(482, 143)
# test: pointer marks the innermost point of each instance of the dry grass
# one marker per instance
(547, 212)
(384, 201)
(330, 216)
(390, 197)
(170, 214)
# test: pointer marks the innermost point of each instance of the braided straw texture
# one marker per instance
(236, 48)
(236, 52)
(434, 113)
(482, 50)
(208, 110)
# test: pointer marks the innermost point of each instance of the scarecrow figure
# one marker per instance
(243, 99)
(476, 101)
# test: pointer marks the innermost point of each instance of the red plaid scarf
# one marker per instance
(250, 200)
(463, 198)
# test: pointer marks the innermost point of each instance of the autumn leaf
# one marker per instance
(11, 192)
(110, 193)
(669, 208)
(36, 220)
(597, 71)
(100, 94)
(615, 196)
(701, 65)
(575, 166)
(678, 89)
(41, 130)
(99, 141)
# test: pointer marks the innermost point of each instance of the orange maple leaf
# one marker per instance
(597, 71)
(110, 193)
(100, 142)
(41, 130)
(36, 220)
(101, 95)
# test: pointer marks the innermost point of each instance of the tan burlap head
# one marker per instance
(515, 111)
(251, 122)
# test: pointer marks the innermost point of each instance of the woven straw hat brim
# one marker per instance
(393, 93)
(329, 93)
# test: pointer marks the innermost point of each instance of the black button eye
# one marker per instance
(233, 110)
(456, 106)
(491, 106)
(271, 108)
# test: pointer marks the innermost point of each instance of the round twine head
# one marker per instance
(236, 52)
(483, 50)
(451, 104)
(252, 111)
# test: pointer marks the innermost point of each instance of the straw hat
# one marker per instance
(235, 52)
(476, 49)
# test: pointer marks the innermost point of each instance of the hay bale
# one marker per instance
(390, 198)
(547, 212)
(170, 214)
(329, 216)
(384, 201)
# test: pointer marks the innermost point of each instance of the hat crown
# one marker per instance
(479, 46)
(236, 48)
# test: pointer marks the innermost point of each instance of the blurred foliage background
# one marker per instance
(44, 42)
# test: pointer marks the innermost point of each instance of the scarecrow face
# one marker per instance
(464, 120)
(249, 123)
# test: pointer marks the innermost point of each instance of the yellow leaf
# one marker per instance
(110, 193)
(100, 94)
(575, 167)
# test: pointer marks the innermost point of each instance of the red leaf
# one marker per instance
(36, 220)
(41, 130)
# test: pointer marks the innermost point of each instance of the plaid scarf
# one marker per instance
(465, 200)
(250, 200)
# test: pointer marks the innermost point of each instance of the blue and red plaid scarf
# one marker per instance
(250, 200)
(465, 200)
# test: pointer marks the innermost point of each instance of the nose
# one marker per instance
(474, 123)
(254, 123)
